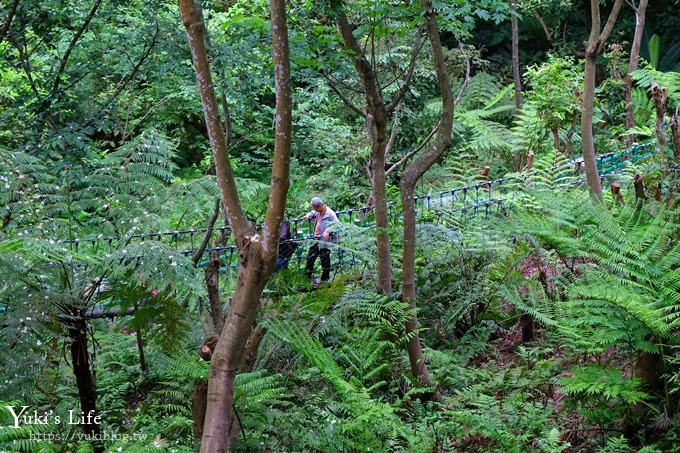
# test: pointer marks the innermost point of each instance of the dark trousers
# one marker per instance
(325, 255)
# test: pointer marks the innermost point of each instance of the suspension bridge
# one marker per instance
(468, 201)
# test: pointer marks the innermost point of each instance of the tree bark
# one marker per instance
(569, 142)
(675, 133)
(379, 189)
(640, 12)
(257, 249)
(80, 361)
(199, 402)
(515, 55)
(594, 45)
(639, 186)
(376, 117)
(660, 99)
(409, 177)
(546, 30)
(212, 283)
(526, 325)
(556, 138)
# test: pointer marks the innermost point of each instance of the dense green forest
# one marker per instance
(490, 260)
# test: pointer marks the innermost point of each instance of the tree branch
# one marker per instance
(540, 20)
(443, 138)
(195, 28)
(208, 234)
(25, 65)
(393, 137)
(414, 151)
(344, 99)
(101, 314)
(8, 21)
(368, 77)
(420, 40)
(67, 54)
(466, 81)
(283, 132)
(123, 83)
(611, 21)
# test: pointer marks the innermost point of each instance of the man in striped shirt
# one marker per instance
(322, 215)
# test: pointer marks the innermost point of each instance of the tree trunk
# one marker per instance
(640, 12)
(409, 178)
(199, 402)
(556, 138)
(639, 185)
(257, 249)
(8, 22)
(515, 54)
(589, 159)
(384, 259)
(376, 116)
(569, 142)
(227, 355)
(212, 283)
(648, 369)
(526, 323)
(140, 348)
(250, 353)
(675, 133)
(594, 45)
(80, 361)
(660, 99)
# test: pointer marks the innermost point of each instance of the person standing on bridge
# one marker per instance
(322, 215)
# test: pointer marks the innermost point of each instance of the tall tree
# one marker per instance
(640, 12)
(376, 113)
(596, 40)
(409, 178)
(257, 248)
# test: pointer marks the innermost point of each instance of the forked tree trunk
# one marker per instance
(376, 118)
(376, 115)
(257, 249)
(640, 12)
(594, 45)
(409, 178)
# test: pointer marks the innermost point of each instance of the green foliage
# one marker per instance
(372, 422)
(623, 268)
(647, 75)
(606, 383)
(601, 394)
(120, 148)
(555, 92)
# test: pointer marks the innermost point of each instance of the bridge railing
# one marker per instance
(468, 200)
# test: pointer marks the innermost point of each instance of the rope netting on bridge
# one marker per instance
(469, 201)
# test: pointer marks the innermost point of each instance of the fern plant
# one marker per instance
(619, 269)
(372, 423)
(601, 394)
